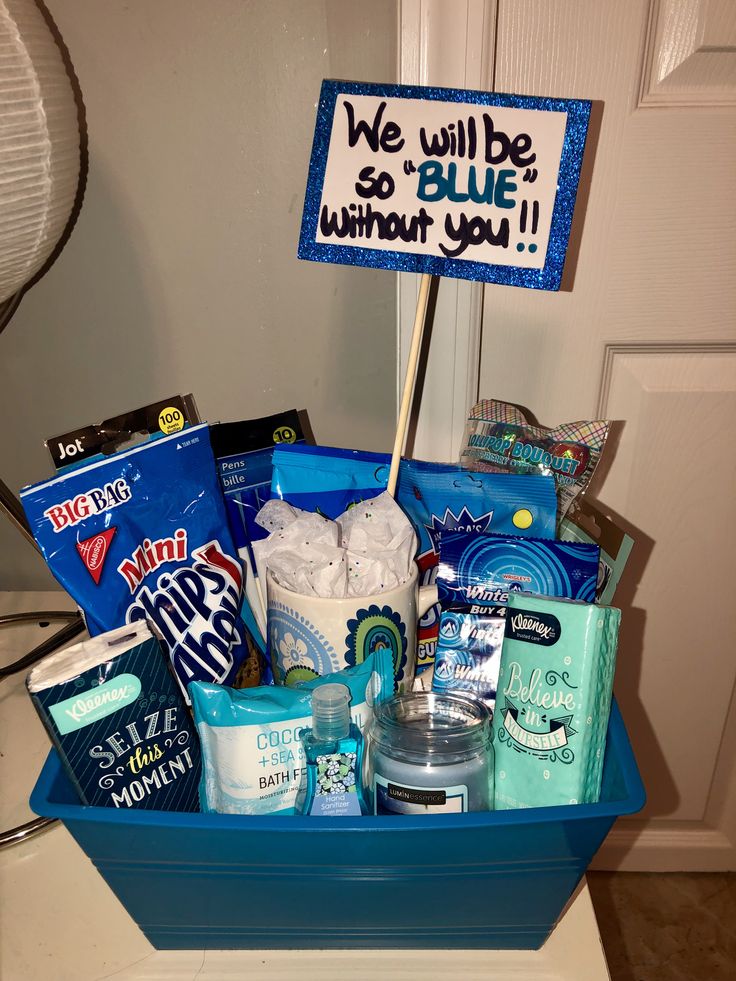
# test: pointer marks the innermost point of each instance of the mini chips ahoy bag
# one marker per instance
(142, 535)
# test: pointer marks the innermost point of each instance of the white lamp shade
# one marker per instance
(39, 144)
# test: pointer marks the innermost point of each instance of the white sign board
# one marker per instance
(475, 185)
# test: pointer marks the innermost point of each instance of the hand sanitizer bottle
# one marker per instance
(334, 756)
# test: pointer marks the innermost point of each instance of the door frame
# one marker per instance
(449, 44)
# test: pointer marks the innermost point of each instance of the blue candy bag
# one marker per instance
(326, 479)
(141, 535)
(252, 756)
(441, 497)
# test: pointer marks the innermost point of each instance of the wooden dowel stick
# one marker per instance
(409, 380)
(264, 608)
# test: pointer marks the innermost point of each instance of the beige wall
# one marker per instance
(181, 274)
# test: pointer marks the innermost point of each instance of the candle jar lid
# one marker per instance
(424, 727)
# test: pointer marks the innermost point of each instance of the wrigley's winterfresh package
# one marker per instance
(143, 535)
(469, 653)
(483, 569)
(475, 577)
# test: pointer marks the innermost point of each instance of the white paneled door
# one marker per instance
(644, 333)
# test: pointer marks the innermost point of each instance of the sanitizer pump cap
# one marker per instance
(330, 712)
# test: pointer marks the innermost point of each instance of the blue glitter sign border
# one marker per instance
(548, 277)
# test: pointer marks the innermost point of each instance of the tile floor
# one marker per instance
(667, 927)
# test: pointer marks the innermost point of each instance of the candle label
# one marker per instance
(403, 798)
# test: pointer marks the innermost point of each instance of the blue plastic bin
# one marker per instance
(489, 880)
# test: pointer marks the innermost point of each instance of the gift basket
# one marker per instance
(319, 673)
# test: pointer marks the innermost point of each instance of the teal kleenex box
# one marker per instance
(554, 698)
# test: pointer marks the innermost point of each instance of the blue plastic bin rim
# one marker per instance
(632, 801)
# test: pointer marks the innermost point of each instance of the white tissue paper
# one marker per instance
(380, 544)
(302, 550)
(369, 549)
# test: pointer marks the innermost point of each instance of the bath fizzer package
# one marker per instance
(142, 535)
(555, 687)
(252, 756)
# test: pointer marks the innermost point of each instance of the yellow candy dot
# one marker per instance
(523, 518)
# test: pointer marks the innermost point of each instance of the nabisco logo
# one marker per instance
(93, 552)
(150, 555)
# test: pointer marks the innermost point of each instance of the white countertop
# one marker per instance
(59, 921)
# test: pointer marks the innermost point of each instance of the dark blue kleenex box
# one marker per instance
(118, 720)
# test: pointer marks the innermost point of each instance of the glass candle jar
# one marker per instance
(429, 753)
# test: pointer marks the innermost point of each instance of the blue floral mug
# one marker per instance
(311, 636)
